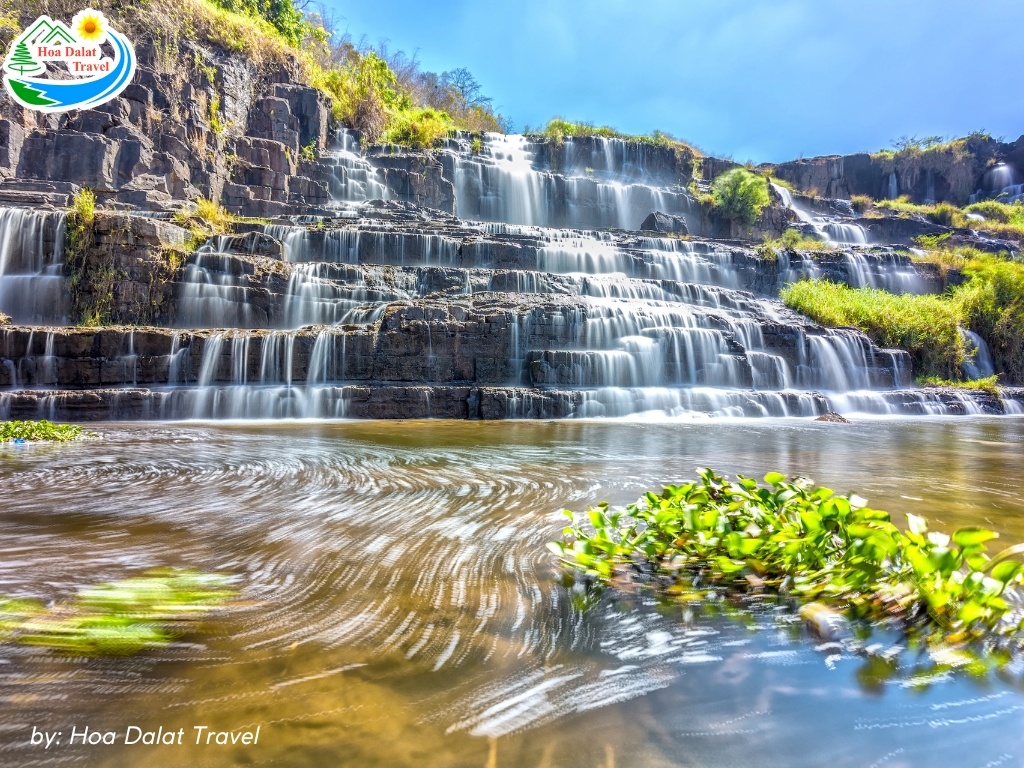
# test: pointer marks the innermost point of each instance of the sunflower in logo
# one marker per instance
(90, 26)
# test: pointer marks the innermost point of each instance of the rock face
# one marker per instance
(931, 177)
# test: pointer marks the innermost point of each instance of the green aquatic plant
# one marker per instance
(38, 430)
(719, 537)
(118, 618)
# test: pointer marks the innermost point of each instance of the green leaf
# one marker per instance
(1006, 571)
(774, 478)
(972, 536)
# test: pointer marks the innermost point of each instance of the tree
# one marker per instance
(22, 61)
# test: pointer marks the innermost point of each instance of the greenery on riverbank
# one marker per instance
(33, 431)
(988, 384)
(926, 326)
(990, 302)
(717, 537)
(4, 319)
(117, 618)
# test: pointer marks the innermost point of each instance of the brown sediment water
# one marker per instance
(398, 606)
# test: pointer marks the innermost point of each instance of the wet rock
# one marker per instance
(833, 418)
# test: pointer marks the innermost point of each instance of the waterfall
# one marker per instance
(978, 361)
(1002, 182)
(506, 182)
(828, 229)
(547, 304)
(33, 289)
(354, 179)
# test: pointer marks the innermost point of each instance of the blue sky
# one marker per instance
(762, 80)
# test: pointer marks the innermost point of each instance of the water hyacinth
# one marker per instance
(796, 541)
(26, 431)
(118, 618)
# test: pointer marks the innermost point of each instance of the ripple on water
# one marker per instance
(399, 605)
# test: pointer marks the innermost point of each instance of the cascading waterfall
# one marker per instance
(828, 229)
(33, 289)
(298, 318)
(1002, 182)
(978, 361)
(355, 179)
(504, 182)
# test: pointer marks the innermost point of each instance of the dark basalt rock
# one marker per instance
(664, 222)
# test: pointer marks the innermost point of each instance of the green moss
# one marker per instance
(792, 240)
(988, 384)
(216, 124)
(927, 327)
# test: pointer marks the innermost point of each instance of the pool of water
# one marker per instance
(399, 607)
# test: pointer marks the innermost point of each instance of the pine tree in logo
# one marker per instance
(21, 60)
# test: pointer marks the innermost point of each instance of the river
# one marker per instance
(398, 606)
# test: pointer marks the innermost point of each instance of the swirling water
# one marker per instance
(399, 607)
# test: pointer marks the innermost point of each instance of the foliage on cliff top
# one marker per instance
(959, 161)
(117, 618)
(35, 431)
(557, 130)
(387, 97)
(368, 97)
(927, 327)
(4, 319)
(740, 195)
(791, 539)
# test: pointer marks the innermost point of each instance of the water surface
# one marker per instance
(400, 609)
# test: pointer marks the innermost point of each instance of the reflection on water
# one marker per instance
(400, 608)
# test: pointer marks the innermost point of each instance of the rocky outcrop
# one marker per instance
(937, 175)
(665, 223)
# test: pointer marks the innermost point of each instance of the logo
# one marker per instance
(54, 68)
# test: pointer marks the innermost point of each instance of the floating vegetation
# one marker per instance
(118, 618)
(717, 538)
(26, 431)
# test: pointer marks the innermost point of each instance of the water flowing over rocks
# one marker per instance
(393, 310)
(493, 277)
